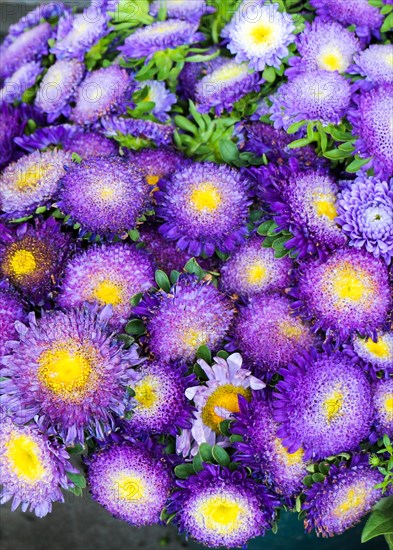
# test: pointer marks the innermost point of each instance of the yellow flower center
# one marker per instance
(22, 262)
(348, 284)
(262, 33)
(129, 487)
(67, 370)
(220, 514)
(194, 338)
(146, 392)
(24, 456)
(354, 498)
(379, 349)
(232, 70)
(389, 407)
(107, 193)
(332, 405)
(290, 459)
(226, 398)
(325, 206)
(107, 292)
(206, 198)
(332, 60)
(152, 179)
(256, 274)
(292, 329)
(30, 178)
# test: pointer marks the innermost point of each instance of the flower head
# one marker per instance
(323, 405)
(11, 310)
(383, 406)
(51, 10)
(109, 275)
(32, 468)
(157, 163)
(216, 401)
(253, 269)
(263, 452)
(192, 314)
(146, 132)
(130, 482)
(32, 181)
(104, 194)
(267, 333)
(218, 507)
(68, 371)
(20, 81)
(159, 402)
(349, 292)
(188, 10)
(162, 98)
(365, 212)
(375, 352)
(101, 92)
(205, 207)
(58, 86)
(31, 257)
(162, 35)
(375, 63)
(346, 495)
(259, 34)
(11, 125)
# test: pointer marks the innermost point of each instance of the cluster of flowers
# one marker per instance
(196, 247)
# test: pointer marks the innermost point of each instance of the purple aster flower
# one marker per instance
(267, 333)
(259, 34)
(372, 122)
(68, 371)
(375, 64)
(109, 275)
(162, 35)
(366, 18)
(31, 257)
(157, 163)
(32, 468)
(323, 405)
(11, 310)
(365, 212)
(312, 95)
(192, 314)
(346, 495)
(188, 10)
(217, 507)
(24, 78)
(27, 46)
(105, 195)
(145, 132)
(12, 123)
(325, 45)
(129, 481)
(160, 96)
(76, 34)
(51, 10)
(216, 401)
(263, 452)
(304, 203)
(205, 207)
(377, 352)
(383, 407)
(349, 292)
(159, 402)
(101, 93)
(32, 181)
(58, 87)
(226, 83)
(192, 73)
(90, 144)
(253, 269)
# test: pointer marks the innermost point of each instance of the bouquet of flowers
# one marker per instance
(196, 248)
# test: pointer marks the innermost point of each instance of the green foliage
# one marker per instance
(383, 460)
(380, 522)
(276, 239)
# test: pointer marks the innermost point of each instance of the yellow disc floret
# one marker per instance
(379, 349)
(350, 284)
(355, 498)
(388, 405)
(332, 60)
(262, 33)
(108, 292)
(224, 397)
(146, 392)
(129, 487)
(324, 205)
(23, 454)
(289, 459)
(256, 273)
(206, 198)
(220, 514)
(332, 405)
(29, 179)
(194, 338)
(22, 262)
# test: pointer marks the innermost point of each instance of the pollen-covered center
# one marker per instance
(221, 514)
(129, 487)
(193, 338)
(223, 401)
(256, 273)
(332, 405)
(379, 349)
(291, 329)
(332, 60)
(29, 179)
(206, 198)
(262, 33)
(354, 499)
(22, 262)
(324, 205)
(229, 72)
(152, 179)
(23, 454)
(108, 292)
(388, 405)
(349, 284)
(146, 392)
(290, 459)
(67, 369)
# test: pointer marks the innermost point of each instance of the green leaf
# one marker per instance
(336, 154)
(134, 235)
(162, 280)
(174, 276)
(356, 164)
(224, 427)
(324, 468)
(40, 210)
(379, 523)
(263, 229)
(318, 477)
(205, 452)
(299, 143)
(183, 471)
(295, 127)
(235, 438)
(192, 266)
(185, 124)
(220, 456)
(136, 299)
(228, 150)
(272, 231)
(388, 23)
(197, 463)
(278, 244)
(269, 74)
(308, 481)
(135, 327)
(77, 479)
(205, 354)
(76, 158)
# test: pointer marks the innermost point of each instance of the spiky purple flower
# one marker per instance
(69, 372)
(109, 275)
(340, 501)
(102, 92)
(375, 352)
(57, 88)
(11, 310)
(383, 407)
(253, 269)
(205, 207)
(188, 10)
(145, 132)
(105, 195)
(323, 405)
(51, 10)
(267, 333)
(21, 80)
(12, 123)
(160, 96)
(375, 63)
(157, 163)
(192, 314)
(218, 507)
(33, 468)
(32, 181)
(365, 212)
(263, 452)
(260, 34)
(129, 481)
(349, 292)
